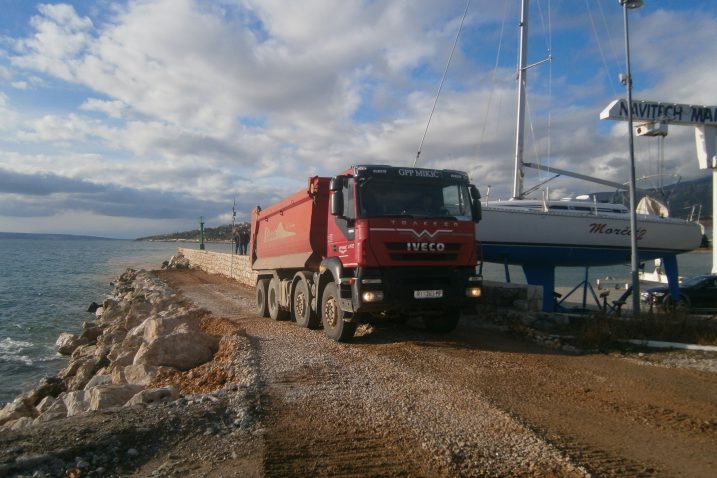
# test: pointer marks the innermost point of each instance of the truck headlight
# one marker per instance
(372, 296)
(474, 292)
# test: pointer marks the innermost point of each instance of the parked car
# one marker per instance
(698, 292)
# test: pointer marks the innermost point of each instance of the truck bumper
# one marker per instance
(414, 291)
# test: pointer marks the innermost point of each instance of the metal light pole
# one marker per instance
(627, 80)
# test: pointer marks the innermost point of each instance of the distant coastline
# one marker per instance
(33, 236)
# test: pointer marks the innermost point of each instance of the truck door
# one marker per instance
(341, 233)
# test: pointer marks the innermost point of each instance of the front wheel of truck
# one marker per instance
(262, 307)
(442, 324)
(333, 317)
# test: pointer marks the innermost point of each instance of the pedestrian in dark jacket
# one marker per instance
(244, 240)
(236, 237)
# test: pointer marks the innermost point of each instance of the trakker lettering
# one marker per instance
(425, 246)
(596, 228)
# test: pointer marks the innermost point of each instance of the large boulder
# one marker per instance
(182, 349)
(76, 402)
(98, 380)
(155, 395)
(106, 396)
(48, 386)
(86, 370)
(18, 408)
(67, 343)
(51, 409)
(19, 424)
(83, 351)
(187, 320)
(90, 334)
(142, 374)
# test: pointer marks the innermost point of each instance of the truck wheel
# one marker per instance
(303, 315)
(262, 308)
(333, 317)
(442, 324)
(275, 312)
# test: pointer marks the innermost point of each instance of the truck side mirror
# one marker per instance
(336, 186)
(476, 210)
(337, 203)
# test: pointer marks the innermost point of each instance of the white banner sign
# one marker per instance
(672, 113)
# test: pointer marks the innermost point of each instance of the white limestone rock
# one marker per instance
(76, 402)
(106, 396)
(67, 343)
(182, 350)
(155, 395)
(18, 408)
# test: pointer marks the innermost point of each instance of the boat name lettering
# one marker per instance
(426, 246)
(419, 173)
(602, 228)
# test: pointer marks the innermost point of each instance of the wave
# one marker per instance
(24, 352)
(14, 351)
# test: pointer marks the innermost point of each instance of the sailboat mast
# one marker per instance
(520, 126)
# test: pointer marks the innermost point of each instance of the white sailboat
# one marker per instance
(541, 235)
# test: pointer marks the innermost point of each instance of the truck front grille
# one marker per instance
(403, 251)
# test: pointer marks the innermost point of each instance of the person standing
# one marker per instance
(244, 240)
(236, 237)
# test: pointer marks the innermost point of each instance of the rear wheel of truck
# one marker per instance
(275, 312)
(303, 315)
(262, 307)
(333, 317)
(442, 324)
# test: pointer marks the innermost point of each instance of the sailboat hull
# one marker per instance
(510, 235)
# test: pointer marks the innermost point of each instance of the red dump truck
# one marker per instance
(374, 241)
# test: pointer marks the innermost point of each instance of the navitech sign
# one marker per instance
(703, 118)
(668, 112)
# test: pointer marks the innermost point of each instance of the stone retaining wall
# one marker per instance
(229, 265)
(518, 296)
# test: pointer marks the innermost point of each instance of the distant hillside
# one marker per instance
(680, 197)
(29, 236)
(211, 234)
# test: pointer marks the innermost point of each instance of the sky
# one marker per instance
(130, 118)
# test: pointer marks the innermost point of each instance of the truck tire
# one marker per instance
(333, 317)
(273, 293)
(442, 324)
(262, 308)
(303, 315)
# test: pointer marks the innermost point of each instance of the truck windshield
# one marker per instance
(383, 198)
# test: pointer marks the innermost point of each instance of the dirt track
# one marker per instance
(401, 402)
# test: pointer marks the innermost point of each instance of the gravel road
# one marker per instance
(400, 401)
(397, 401)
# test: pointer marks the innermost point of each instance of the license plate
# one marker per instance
(428, 294)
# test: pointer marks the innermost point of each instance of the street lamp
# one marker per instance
(627, 81)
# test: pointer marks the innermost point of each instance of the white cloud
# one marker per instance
(213, 98)
(114, 109)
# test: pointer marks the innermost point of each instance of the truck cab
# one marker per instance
(402, 242)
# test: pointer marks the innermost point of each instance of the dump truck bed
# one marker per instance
(291, 234)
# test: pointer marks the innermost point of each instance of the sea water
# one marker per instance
(46, 284)
(48, 281)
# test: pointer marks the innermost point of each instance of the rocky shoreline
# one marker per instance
(147, 348)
